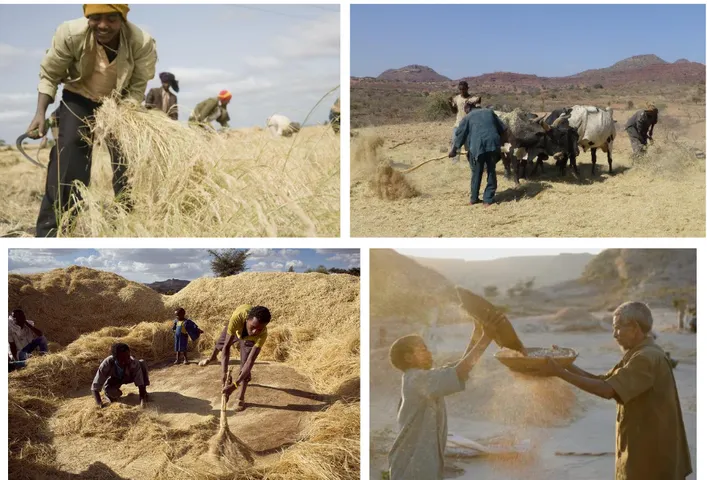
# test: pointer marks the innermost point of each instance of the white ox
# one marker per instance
(596, 129)
(281, 126)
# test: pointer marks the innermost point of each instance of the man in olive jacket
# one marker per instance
(212, 110)
(94, 57)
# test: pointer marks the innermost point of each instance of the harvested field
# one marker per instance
(637, 200)
(186, 182)
(302, 415)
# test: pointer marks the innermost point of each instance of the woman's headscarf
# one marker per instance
(166, 77)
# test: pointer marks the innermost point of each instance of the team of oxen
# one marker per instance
(531, 139)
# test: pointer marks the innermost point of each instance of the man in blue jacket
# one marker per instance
(480, 131)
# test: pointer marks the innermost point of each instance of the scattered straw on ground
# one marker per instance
(187, 182)
(368, 166)
(637, 200)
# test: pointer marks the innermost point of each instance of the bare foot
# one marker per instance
(176, 362)
(240, 406)
(229, 389)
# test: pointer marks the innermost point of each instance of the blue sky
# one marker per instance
(273, 58)
(480, 254)
(546, 40)
(149, 265)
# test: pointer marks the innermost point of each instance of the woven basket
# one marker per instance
(535, 358)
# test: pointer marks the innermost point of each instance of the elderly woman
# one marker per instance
(162, 99)
(95, 57)
(651, 443)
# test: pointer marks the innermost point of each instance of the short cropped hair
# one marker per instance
(400, 348)
(119, 348)
(637, 312)
(261, 313)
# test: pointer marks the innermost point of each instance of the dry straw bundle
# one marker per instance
(188, 182)
(68, 302)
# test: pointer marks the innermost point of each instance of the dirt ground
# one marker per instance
(663, 199)
(497, 403)
(279, 403)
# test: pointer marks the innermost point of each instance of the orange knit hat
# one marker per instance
(224, 95)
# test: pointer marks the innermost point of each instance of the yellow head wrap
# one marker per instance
(104, 8)
(650, 107)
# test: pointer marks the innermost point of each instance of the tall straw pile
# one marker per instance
(315, 329)
(64, 303)
(366, 163)
(187, 182)
(315, 319)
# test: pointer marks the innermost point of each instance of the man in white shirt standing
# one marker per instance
(457, 104)
(24, 337)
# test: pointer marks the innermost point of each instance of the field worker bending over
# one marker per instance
(162, 99)
(184, 328)
(94, 57)
(418, 451)
(24, 338)
(212, 110)
(480, 131)
(651, 443)
(118, 369)
(640, 128)
(248, 329)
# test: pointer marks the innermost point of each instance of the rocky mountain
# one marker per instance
(639, 69)
(168, 287)
(412, 73)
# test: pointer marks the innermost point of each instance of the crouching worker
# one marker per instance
(248, 329)
(118, 369)
(24, 339)
(418, 451)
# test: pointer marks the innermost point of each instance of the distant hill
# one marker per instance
(506, 272)
(168, 287)
(408, 94)
(412, 73)
(661, 273)
(402, 289)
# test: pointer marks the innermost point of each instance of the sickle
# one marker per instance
(21, 139)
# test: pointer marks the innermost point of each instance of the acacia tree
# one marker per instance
(229, 261)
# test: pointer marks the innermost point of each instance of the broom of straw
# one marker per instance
(412, 169)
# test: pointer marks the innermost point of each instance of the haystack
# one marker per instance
(68, 302)
(186, 181)
(315, 317)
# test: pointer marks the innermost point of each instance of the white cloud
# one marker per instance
(199, 75)
(351, 259)
(276, 266)
(17, 97)
(317, 38)
(260, 252)
(10, 54)
(263, 63)
(294, 264)
(12, 115)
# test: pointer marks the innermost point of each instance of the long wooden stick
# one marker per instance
(411, 169)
